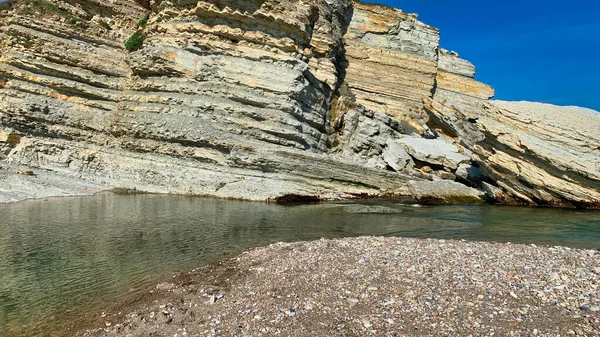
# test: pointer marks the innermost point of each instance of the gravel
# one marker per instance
(378, 287)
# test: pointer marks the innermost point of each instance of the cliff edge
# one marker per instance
(269, 100)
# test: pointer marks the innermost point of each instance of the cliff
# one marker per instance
(254, 99)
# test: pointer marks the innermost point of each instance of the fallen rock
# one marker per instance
(433, 151)
(444, 175)
(426, 169)
(441, 192)
(396, 157)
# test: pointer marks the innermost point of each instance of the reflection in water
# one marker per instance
(62, 255)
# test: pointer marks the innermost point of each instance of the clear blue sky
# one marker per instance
(544, 51)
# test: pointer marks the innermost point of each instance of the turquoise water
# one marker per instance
(63, 256)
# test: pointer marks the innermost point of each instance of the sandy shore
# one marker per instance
(379, 287)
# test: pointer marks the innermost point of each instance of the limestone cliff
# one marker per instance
(536, 153)
(253, 99)
(392, 60)
(225, 98)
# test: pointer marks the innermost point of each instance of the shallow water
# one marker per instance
(65, 255)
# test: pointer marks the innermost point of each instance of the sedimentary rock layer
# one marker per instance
(536, 153)
(224, 98)
(260, 99)
(392, 60)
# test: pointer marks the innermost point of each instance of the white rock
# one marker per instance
(433, 151)
(396, 157)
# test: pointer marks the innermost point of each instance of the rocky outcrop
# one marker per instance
(392, 60)
(225, 98)
(536, 153)
(455, 79)
(256, 99)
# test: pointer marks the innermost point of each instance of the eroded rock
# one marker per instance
(396, 157)
(266, 99)
(536, 153)
(444, 192)
(433, 151)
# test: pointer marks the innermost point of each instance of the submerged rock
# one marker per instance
(444, 192)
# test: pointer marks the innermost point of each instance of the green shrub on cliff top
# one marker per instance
(136, 41)
(51, 7)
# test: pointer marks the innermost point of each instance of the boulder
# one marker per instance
(396, 157)
(433, 151)
(444, 192)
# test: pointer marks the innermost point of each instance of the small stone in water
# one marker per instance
(367, 324)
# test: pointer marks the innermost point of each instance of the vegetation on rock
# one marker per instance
(105, 25)
(136, 41)
(26, 11)
(51, 7)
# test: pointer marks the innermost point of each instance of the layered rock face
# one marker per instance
(258, 99)
(456, 76)
(226, 98)
(392, 60)
(536, 154)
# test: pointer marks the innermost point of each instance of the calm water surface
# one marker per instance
(60, 257)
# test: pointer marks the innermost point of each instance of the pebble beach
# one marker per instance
(376, 287)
